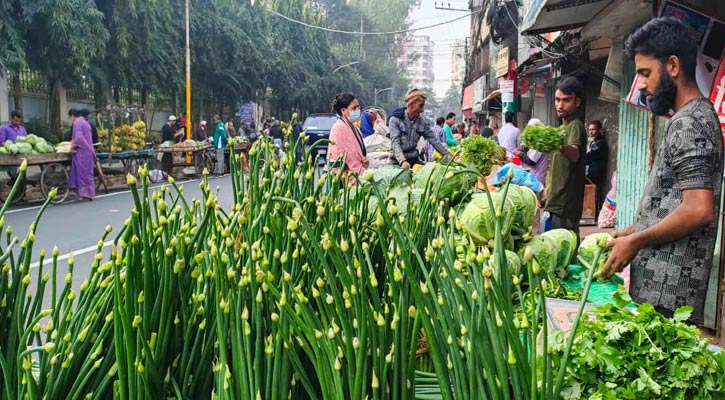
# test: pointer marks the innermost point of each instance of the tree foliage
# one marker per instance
(239, 51)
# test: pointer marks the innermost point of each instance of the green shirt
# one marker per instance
(565, 180)
(450, 140)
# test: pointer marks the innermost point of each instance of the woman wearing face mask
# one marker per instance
(347, 150)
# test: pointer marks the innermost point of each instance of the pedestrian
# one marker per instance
(461, 131)
(83, 159)
(597, 157)
(231, 129)
(347, 149)
(367, 123)
(566, 177)
(169, 135)
(487, 131)
(448, 129)
(407, 126)
(85, 113)
(672, 242)
(220, 143)
(182, 120)
(533, 161)
(439, 133)
(474, 128)
(201, 132)
(509, 135)
(277, 133)
(13, 128)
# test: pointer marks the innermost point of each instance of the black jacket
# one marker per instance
(597, 157)
(167, 133)
(276, 132)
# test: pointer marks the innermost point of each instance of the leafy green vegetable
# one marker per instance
(553, 250)
(479, 221)
(588, 248)
(546, 139)
(481, 153)
(453, 180)
(386, 177)
(620, 354)
(525, 202)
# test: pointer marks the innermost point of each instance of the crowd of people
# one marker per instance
(671, 244)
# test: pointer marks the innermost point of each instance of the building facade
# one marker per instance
(458, 62)
(417, 61)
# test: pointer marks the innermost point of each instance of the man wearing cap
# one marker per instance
(167, 132)
(407, 126)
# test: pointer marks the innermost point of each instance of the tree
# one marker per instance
(63, 38)
(452, 100)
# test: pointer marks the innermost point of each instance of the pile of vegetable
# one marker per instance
(29, 144)
(305, 288)
(128, 137)
(546, 139)
(624, 353)
(482, 153)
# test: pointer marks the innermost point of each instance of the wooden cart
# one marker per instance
(199, 154)
(53, 172)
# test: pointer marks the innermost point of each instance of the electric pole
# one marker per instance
(188, 80)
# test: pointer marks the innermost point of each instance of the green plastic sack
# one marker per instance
(600, 292)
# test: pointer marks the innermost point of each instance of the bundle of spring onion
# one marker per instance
(293, 293)
(546, 139)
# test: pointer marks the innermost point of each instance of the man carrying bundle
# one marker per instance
(567, 167)
(671, 244)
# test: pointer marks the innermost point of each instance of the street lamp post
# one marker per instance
(378, 91)
(344, 66)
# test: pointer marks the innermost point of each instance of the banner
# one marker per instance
(717, 96)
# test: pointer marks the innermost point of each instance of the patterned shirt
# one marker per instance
(690, 157)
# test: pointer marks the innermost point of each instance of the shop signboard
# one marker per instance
(479, 93)
(507, 90)
(502, 62)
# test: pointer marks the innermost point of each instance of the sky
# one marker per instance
(443, 36)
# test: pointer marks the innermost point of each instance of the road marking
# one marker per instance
(75, 253)
(100, 196)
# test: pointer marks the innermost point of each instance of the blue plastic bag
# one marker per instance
(520, 177)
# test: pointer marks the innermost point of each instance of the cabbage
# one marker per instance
(405, 196)
(450, 181)
(588, 248)
(386, 177)
(479, 220)
(525, 202)
(24, 148)
(31, 139)
(553, 251)
(20, 139)
(513, 262)
(12, 148)
(4, 150)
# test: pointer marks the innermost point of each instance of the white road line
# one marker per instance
(63, 257)
(100, 196)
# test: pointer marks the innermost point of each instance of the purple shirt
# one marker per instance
(508, 138)
(542, 165)
(9, 132)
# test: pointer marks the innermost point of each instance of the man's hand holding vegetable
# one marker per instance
(695, 211)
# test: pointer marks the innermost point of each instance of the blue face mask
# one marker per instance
(354, 115)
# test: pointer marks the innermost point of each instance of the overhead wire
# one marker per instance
(358, 33)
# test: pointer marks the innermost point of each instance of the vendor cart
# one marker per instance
(53, 172)
(130, 159)
(199, 154)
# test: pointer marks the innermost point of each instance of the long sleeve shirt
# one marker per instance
(450, 140)
(405, 135)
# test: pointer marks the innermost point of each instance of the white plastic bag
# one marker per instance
(377, 143)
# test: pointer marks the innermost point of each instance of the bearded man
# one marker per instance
(671, 244)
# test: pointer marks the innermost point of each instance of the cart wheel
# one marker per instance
(54, 176)
(19, 194)
(201, 161)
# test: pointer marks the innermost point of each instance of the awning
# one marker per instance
(629, 14)
(492, 95)
(468, 102)
(557, 15)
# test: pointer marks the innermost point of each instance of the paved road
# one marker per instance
(75, 227)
